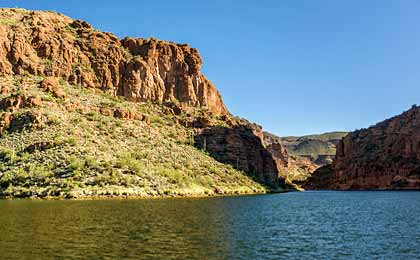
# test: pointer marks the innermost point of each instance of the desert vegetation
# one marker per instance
(89, 143)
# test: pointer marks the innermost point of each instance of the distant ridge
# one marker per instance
(319, 148)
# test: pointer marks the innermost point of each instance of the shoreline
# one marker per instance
(137, 197)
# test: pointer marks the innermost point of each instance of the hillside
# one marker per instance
(90, 144)
(319, 148)
(384, 156)
(85, 114)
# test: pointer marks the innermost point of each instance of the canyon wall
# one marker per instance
(384, 156)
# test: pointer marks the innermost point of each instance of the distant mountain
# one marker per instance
(319, 148)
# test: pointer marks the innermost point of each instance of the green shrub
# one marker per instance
(175, 176)
(76, 164)
(40, 171)
(53, 120)
(93, 116)
(8, 22)
(205, 181)
(6, 155)
(130, 162)
(69, 29)
(157, 120)
(23, 157)
(76, 120)
(71, 141)
(91, 162)
(212, 170)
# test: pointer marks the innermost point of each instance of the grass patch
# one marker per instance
(8, 22)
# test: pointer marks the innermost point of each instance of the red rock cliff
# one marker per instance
(384, 156)
(47, 43)
(51, 44)
(242, 146)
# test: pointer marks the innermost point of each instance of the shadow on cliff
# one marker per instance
(321, 179)
(242, 149)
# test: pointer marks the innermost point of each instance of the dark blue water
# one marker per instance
(321, 225)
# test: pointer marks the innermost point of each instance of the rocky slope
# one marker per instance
(85, 114)
(384, 156)
(87, 144)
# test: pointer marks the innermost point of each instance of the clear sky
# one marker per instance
(294, 66)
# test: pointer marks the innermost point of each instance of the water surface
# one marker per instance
(322, 225)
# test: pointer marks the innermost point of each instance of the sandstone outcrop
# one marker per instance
(51, 44)
(384, 156)
(11, 120)
(18, 122)
(16, 102)
(52, 85)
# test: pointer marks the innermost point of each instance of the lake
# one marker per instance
(297, 225)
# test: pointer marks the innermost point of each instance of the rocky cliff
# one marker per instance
(246, 147)
(83, 114)
(242, 146)
(291, 167)
(384, 156)
(51, 44)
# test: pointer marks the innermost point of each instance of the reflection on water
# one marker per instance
(327, 225)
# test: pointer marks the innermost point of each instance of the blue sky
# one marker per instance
(294, 66)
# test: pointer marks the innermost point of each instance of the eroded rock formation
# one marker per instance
(51, 44)
(384, 156)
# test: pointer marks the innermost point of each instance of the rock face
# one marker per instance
(292, 167)
(51, 44)
(279, 153)
(384, 156)
(246, 147)
(242, 147)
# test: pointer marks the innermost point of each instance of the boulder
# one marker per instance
(52, 85)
